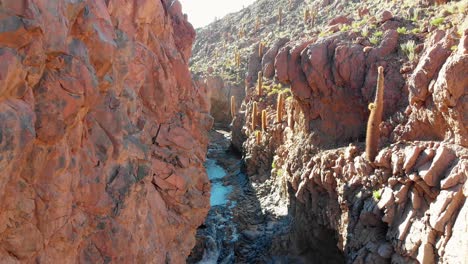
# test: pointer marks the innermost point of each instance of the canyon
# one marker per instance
(127, 136)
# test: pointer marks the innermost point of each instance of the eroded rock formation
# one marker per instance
(102, 133)
(409, 206)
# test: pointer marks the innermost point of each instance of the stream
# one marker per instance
(247, 222)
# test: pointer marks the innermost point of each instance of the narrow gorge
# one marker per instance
(291, 131)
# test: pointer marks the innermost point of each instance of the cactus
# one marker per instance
(254, 116)
(313, 14)
(291, 121)
(279, 108)
(257, 23)
(237, 58)
(233, 106)
(260, 83)
(290, 4)
(280, 16)
(260, 49)
(306, 16)
(375, 118)
(258, 137)
(241, 32)
(264, 120)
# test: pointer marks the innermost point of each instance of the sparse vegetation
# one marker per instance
(378, 34)
(365, 32)
(376, 194)
(402, 30)
(437, 21)
(376, 38)
(415, 17)
(408, 49)
(345, 28)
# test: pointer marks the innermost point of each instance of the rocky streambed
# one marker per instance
(247, 222)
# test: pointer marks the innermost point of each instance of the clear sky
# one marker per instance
(202, 12)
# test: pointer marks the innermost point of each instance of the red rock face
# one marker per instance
(334, 80)
(438, 93)
(102, 134)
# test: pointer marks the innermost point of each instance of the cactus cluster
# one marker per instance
(279, 108)
(375, 118)
(260, 83)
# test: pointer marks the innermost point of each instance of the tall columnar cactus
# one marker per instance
(241, 32)
(291, 121)
(290, 4)
(260, 49)
(264, 120)
(233, 106)
(306, 16)
(313, 14)
(237, 58)
(260, 83)
(280, 108)
(375, 118)
(280, 16)
(258, 137)
(257, 23)
(254, 116)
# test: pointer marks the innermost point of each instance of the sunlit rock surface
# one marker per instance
(102, 134)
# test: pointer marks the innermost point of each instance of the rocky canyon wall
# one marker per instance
(102, 133)
(409, 206)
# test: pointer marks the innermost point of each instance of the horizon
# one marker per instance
(199, 16)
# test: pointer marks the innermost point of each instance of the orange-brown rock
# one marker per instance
(102, 134)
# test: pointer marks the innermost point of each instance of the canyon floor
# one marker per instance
(249, 222)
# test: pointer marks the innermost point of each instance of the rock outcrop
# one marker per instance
(407, 206)
(102, 133)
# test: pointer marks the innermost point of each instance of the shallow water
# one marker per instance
(214, 170)
(219, 192)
